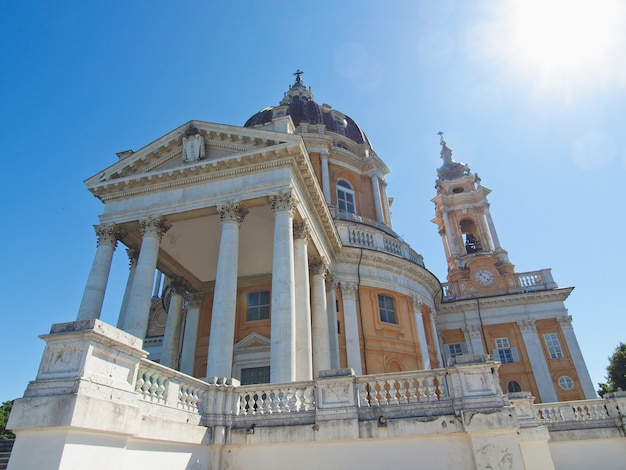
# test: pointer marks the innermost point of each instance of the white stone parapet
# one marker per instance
(95, 386)
(376, 236)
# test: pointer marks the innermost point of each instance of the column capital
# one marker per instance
(178, 285)
(301, 231)
(331, 282)
(232, 211)
(417, 305)
(154, 225)
(348, 290)
(194, 299)
(133, 256)
(565, 322)
(284, 201)
(473, 330)
(108, 234)
(317, 267)
(527, 326)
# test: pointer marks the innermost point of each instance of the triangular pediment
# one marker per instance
(253, 340)
(191, 148)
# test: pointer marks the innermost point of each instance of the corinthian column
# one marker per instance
(190, 335)
(220, 356)
(353, 346)
(93, 296)
(283, 328)
(171, 337)
(321, 339)
(132, 261)
(140, 296)
(304, 356)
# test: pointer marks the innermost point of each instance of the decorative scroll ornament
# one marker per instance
(318, 267)
(232, 211)
(154, 226)
(284, 201)
(300, 231)
(193, 145)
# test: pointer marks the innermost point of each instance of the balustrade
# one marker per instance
(279, 398)
(572, 411)
(402, 388)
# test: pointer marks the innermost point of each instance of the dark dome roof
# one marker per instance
(298, 103)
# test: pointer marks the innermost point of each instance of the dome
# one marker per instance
(299, 104)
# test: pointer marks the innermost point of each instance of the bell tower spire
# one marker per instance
(469, 237)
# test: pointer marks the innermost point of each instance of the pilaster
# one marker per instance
(350, 318)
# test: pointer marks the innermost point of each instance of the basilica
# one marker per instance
(273, 317)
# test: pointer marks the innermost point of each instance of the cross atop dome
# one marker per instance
(297, 73)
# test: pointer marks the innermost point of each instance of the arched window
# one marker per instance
(345, 198)
(514, 387)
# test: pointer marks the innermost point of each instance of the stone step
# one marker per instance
(5, 452)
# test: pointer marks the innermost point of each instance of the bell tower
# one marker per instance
(470, 241)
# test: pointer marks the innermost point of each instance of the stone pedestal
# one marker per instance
(85, 386)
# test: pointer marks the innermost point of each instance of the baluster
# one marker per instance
(402, 392)
(364, 394)
(412, 398)
(431, 389)
(375, 394)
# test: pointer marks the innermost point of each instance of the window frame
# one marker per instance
(555, 351)
(504, 352)
(259, 306)
(384, 312)
(348, 191)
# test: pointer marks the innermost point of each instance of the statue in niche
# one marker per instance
(193, 145)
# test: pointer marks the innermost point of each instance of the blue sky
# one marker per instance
(542, 124)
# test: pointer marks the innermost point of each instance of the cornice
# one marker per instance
(388, 262)
(534, 297)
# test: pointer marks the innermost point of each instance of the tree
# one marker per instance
(5, 411)
(616, 372)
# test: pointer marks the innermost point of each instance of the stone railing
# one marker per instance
(575, 411)
(364, 236)
(275, 398)
(402, 388)
(159, 384)
(517, 283)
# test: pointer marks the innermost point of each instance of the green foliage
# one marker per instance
(616, 372)
(5, 411)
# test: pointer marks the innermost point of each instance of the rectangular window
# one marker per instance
(504, 353)
(386, 309)
(454, 350)
(255, 375)
(554, 347)
(258, 305)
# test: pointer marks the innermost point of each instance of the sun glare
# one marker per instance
(560, 35)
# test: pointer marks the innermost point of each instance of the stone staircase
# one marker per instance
(5, 452)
